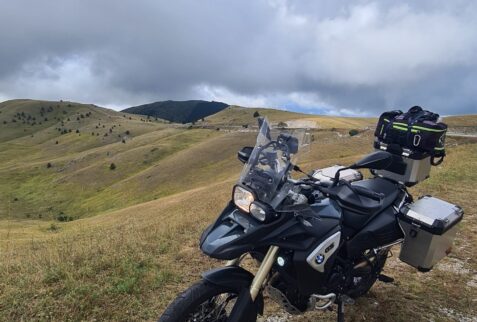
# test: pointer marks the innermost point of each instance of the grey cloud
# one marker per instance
(357, 57)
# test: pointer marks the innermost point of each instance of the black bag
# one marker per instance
(384, 121)
(417, 130)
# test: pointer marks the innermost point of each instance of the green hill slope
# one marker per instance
(178, 111)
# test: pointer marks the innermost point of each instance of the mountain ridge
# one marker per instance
(178, 111)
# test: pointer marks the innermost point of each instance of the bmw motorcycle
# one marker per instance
(318, 243)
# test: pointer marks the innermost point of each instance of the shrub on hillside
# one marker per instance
(63, 217)
(353, 132)
(256, 114)
(112, 166)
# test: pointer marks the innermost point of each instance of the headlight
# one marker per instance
(262, 212)
(243, 198)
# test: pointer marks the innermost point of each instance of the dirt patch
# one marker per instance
(472, 282)
(302, 124)
(453, 265)
(457, 316)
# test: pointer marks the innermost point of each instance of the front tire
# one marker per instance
(202, 302)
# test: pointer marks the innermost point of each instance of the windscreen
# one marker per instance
(270, 162)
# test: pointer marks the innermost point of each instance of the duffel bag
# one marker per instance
(416, 130)
(384, 121)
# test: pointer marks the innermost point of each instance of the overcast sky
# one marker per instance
(331, 57)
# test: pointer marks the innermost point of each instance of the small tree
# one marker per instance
(256, 114)
(48, 165)
(353, 132)
(112, 166)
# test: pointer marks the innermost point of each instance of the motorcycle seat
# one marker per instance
(367, 197)
(362, 200)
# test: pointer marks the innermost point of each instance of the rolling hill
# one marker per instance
(178, 111)
(237, 115)
(82, 241)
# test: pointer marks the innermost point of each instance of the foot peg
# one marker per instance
(385, 279)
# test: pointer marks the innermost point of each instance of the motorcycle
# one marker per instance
(319, 243)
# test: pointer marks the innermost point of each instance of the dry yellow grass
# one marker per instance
(461, 120)
(128, 263)
(237, 116)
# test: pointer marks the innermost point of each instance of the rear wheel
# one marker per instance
(202, 302)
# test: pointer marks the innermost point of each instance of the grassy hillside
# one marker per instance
(178, 111)
(132, 243)
(239, 116)
(62, 166)
(461, 120)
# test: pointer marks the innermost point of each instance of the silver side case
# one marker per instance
(425, 249)
(430, 226)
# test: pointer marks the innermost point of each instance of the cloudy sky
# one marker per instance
(332, 57)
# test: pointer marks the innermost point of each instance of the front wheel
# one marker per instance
(202, 302)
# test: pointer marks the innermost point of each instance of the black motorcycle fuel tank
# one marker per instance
(235, 233)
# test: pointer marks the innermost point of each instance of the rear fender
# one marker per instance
(239, 279)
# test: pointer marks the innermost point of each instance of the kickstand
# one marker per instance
(341, 310)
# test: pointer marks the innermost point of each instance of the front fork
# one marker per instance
(263, 271)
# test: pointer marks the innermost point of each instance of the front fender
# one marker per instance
(234, 276)
(239, 279)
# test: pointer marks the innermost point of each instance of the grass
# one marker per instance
(133, 244)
